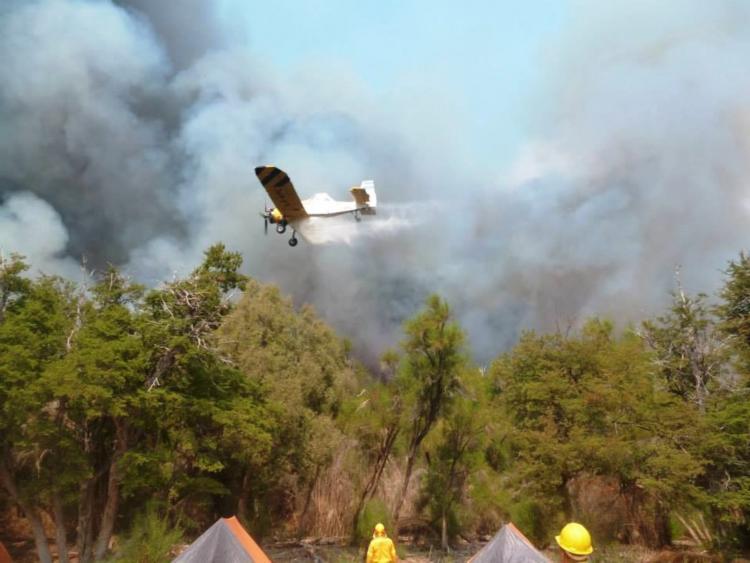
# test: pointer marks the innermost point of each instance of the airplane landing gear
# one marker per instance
(357, 216)
(281, 228)
(293, 241)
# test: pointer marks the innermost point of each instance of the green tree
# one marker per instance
(307, 373)
(116, 392)
(94, 387)
(591, 405)
(376, 422)
(433, 359)
(726, 440)
(735, 308)
(35, 322)
(204, 420)
(13, 285)
(689, 351)
(454, 454)
(725, 444)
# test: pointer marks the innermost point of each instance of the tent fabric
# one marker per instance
(4, 555)
(224, 542)
(509, 546)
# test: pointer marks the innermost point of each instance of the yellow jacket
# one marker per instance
(381, 550)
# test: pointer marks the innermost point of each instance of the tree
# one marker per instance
(590, 404)
(433, 359)
(35, 319)
(307, 373)
(94, 388)
(689, 351)
(726, 439)
(115, 392)
(735, 309)
(725, 444)
(455, 453)
(377, 423)
(13, 285)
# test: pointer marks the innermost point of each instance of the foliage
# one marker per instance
(734, 311)
(455, 453)
(305, 371)
(591, 404)
(528, 515)
(114, 391)
(375, 511)
(150, 540)
(726, 446)
(375, 418)
(688, 350)
(113, 395)
(428, 379)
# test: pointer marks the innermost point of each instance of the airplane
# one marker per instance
(289, 210)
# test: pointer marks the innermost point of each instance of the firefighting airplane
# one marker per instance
(290, 210)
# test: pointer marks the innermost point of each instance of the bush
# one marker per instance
(374, 511)
(529, 517)
(150, 540)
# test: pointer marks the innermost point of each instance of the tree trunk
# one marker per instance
(374, 481)
(444, 533)
(567, 502)
(84, 539)
(60, 532)
(242, 502)
(648, 523)
(110, 509)
(40, 537)
(405, 485)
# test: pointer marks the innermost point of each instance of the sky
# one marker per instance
(483, 60)
(536, 163)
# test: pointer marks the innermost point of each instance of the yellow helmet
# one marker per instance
(379, 529)
(575, 539)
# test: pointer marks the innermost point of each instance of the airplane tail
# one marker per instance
(365, 197)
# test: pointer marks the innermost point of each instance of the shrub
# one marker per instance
(374, 511)
(150, 539)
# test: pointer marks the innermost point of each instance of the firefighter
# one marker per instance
(381, 548)
(575, 542)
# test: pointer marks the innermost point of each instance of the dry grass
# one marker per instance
(334, 496)
(390, 487)
(332, 502)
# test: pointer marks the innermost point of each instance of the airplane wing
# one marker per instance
(281, 191)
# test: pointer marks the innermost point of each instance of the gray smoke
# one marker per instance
(187, 29)
(130, 132)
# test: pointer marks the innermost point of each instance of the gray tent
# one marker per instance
(509, 546)
(224, 542)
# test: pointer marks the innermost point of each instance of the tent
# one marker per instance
(224, 542)
(509, 546)
(4, 555)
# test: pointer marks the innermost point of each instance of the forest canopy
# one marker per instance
(126, 409)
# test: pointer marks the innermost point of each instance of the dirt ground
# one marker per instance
(335, 554)
(409, 554)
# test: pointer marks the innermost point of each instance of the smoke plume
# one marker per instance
(130, 132)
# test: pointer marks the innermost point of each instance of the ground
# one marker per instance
(408, 554)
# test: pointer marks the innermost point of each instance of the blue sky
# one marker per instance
(484, 57)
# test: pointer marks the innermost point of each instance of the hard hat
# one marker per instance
(379, 529)
(575, 539)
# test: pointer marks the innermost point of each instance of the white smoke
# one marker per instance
(31, 224)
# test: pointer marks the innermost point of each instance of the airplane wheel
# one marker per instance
(293, 242)
(281, 228)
